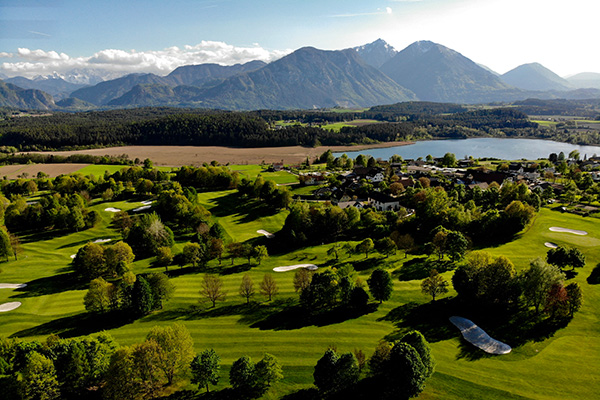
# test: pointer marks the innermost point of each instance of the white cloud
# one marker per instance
(388, 10)
(379, 11)
(27, 62)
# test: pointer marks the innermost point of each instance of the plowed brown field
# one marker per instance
(193, 155)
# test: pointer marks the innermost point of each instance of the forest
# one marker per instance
(161, 126)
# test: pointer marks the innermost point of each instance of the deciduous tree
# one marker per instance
(380, 285)
(268, 286)
(205, 369)
(212, 289)
(434, 285)
(247, 288)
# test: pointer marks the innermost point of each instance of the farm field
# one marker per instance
(174, 156)
(562, 366)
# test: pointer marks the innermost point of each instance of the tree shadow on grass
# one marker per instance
(594, 277)
(419, 268)
(78, 325)
(50, 285)
(248, 209)
(431, 319)
(369, 263)
(279, 314)
(41, 236)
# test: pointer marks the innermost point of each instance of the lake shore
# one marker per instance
(175, 156)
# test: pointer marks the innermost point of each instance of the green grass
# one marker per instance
(563, 366)
(337, 126)
(251, 171)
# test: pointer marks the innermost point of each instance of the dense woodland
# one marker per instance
(158, 126)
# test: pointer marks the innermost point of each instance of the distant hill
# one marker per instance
(436, 73)
(377, 53)
(198, 75)
(585, 80)
(535, 76)
(308, 78)
(54, 85)
(147, 95)
(104, 92)
(74, 104)
(17, 97)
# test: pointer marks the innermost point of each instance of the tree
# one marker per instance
(205, 369)
(116, 255)
(405, 373)
(247, 288)
(334, 373)
(380, 285)
(556, 301)
(537, 282)
(302, 278)
(386, 246)
(15, 244)
(325, 373)
(98, 297)
(89, 262)
(456, 245)
(322, 293)
(142, 300)
(439, 242)
(434, 285)
(404, 242)
(212, 289)
(161, 287)
(6, 249)
(195, 253)
(164, 257)
(419, 343)
(260, 253)
(380, 357)
(39, 379)
(120, 376)
(449, 160)
(235, 250)
(563, 256)
(176, 349)
(242, 375)
(268, 371)
(268, 286)
(574, 298)
(365, 247)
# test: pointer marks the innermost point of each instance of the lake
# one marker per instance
(507, 149)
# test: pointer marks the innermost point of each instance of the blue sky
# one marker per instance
(156, 36)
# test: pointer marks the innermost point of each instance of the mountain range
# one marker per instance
(359, 77)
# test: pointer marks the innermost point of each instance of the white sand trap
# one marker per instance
(12, 285)
(477, 336)
(73, 255)
(147, 202)
(268, 235)
(102, 240)
(112, 209)
(310, 267)
(551, 245)
(567, 230)
(10, 306)
(142, 208)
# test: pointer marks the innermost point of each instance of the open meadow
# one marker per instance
(562, 365)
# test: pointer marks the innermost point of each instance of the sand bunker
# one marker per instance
(477, 336)
(73, 255)
(567, 230)
(268, 235)
(551, 245)
(9, 306)
(310, 267)
(102, 240)
(147, 202)
(112, 209)
(142, 208)
(12, 285)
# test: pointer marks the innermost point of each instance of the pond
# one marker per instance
(507, 149)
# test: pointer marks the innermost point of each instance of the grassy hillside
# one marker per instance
(562, 366)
